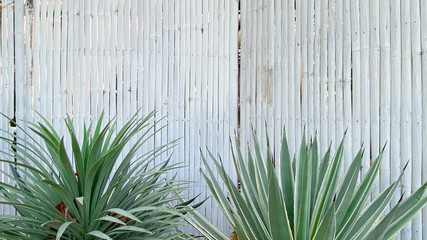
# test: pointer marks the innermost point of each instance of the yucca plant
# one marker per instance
(98, 191)
(305, 198)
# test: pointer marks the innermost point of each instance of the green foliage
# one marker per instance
(99, 192)
(305, 198)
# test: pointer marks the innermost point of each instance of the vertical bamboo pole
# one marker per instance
(324, 139)
(423, 14)
(284, 66)
(331, 74)
(317, 79)
(244, 72)
(310, 68)
(70, 57)
(416, 116)
(278, 80)
(106, 31)
(406, 106)
(385, 94)
(209, 105)
(304, 84)
(101, 51)
(91, 57)
(192, 97)
(347, 65)
(364, 83)
(19, 62)
(234, 71)
(57, 103)
(292, 77)
(374, 59)
(113, 62)
(297, 69)
(43, 62)
(396, 93)
(339, 85)
(2, 94)
(356, 78)
(89, 69)
(134, 58)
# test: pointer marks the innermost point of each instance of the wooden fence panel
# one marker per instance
(368, 78)
(310, 66)
(84, 57)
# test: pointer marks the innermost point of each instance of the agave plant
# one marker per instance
(305, 198)
(97, 192)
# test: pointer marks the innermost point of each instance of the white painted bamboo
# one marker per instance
(184, 53)
(186, 86)
(105, 31)
(91, 56)
(347, 97)
(158, 70)
(43, 55)
(119, 61)
(423, 14)
(56, 74)
(234, 71)
(304, 84)
(125, 68)
(3, 84)
(244, 34)
(209, 108)
(74, 103)
(204, 89)
(316, 80)
(20, 67)
(339, 80)
(356, 78)
(134, 57)
(406, 106)
(310, 68)
(86, 56)
(140, 56)
(396, 93)
(323, 131)
(126, 80)
(113, 66)
(29, 65)
(80, 80)
(298, 69)
(2, 95)
(332, 83)
(374, 85)
(70, 58)
(63, 56)
(198, 90)
(260, 67)
(284, 67)
(385, 93)
(270, 74)
(252, 68)
(165, 29)
(10, 78)
(292, 77)
(50, 82)
(20, 60)
(101, 52)
(416, 115)
(278, 80)
(364, 83)
(192, 95)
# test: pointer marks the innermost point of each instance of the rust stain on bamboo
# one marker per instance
(267, 85)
